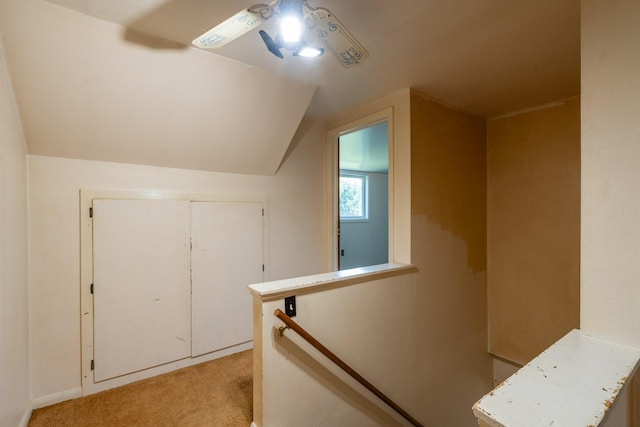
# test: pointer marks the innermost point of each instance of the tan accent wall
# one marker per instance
(448, 246)
(533, 229)
(448, 165)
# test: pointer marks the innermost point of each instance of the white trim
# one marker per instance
(363, 178)
(26, 417)
(553, 104)
(399, 106)
(332, 172)
(53, 398)
(269, 291)
(91, 388)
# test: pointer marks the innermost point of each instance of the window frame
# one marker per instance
(364, 186)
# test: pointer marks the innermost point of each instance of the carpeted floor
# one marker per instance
(216, 393)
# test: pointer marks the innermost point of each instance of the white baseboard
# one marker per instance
(91, 387)
(24, 422)
(51, 399)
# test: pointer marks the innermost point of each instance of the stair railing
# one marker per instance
(290, 324)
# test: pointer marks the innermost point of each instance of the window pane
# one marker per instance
(352, 203)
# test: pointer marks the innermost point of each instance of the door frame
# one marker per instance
(332, 238)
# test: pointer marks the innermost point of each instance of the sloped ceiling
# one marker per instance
(97, 74)
(85, 93)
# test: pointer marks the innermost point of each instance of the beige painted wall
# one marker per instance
(610, 248)
(610, 229)
(294, 198)
(391, 331)
(533, 229)
(318, 399)
(448, 246)
(15, 406)
(419, 337)
(300, 387)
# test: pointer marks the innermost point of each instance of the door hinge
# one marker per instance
(90, 212)
(91, 288)
(93, 365)
(262, 267)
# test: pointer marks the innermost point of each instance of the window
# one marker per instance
(353, 197)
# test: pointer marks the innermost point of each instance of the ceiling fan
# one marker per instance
(300, 25)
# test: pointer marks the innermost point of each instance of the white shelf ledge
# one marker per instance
(572, 383)
(276, 289)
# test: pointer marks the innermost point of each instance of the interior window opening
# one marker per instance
(363, 197)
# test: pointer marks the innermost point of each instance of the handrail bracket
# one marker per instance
(281, 330)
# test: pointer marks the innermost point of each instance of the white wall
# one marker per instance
(610, 236)
(359, 324)
(294, 198)
(14, 314)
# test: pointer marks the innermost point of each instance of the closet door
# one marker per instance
(226, 258)
(142, 306)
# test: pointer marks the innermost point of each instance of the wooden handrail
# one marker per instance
(335, 359)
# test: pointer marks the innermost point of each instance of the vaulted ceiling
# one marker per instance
(117, 80)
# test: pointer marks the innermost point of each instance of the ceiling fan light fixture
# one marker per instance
(298, 19)
(290, 15)
(290, 29)
(309, 51)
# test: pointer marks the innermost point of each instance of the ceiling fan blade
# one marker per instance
(334, 35)
(239, 24)
(271, 45)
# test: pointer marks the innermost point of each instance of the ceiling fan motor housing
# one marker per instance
(290, 7)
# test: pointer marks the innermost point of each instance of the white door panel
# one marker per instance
(142, 306)
(226, 258)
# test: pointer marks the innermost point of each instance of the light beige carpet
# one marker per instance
(216, 393)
